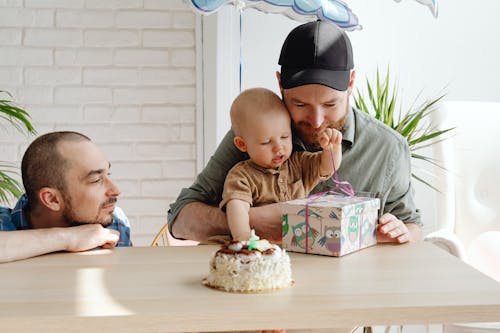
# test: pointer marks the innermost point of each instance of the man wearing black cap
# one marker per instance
(316, 81)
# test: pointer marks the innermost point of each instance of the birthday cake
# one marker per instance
(249, 266)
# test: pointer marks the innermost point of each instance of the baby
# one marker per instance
(261, 125)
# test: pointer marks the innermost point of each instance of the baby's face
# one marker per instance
(269, 139)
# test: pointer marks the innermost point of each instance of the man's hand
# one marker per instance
(266, 220)
(392, 230)
(89, 236)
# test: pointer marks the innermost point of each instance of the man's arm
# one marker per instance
(199, 221)
(22, 244)
(195, 214)
(266, 220)
(415, 231)
(401, 222)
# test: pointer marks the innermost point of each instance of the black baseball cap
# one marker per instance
(316, 53)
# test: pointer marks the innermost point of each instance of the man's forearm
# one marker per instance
(266, 220)
(198, 221)
(22, 244)
(415, 232)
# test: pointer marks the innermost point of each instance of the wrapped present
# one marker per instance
(327, 224)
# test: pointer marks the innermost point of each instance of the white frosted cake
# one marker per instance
(250, 266)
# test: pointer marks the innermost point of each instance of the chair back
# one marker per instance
(164, 238)
(161, 238)
(470, 204)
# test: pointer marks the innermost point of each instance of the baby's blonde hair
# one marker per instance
(251, 103)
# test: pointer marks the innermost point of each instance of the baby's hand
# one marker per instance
(330, 138)
(331, 142)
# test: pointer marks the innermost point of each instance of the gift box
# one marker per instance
(331, 225)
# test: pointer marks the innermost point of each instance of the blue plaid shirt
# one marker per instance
(15, 219)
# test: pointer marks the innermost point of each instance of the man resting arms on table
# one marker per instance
(69, 204)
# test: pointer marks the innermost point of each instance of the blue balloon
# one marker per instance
(208, 6)
(335, 11)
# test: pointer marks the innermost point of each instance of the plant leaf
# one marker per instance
(20, 120)
(9, 187)
(16, 116)
(425, 182)
(413, 123)
(428, 137)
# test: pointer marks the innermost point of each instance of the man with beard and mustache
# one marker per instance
(316, 81)
(69, 204)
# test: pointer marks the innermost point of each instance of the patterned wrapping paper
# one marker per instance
(336, 225)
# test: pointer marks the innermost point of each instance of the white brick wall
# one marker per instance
(120, 71)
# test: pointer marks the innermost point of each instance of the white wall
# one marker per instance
(123, 73)
(459, 49)
(220, 79)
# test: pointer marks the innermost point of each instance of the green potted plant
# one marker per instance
(19, 119)
(413, 123)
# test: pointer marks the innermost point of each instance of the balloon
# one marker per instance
(335, 11)
(432, 4)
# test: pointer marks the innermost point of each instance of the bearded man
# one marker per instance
(316, 81)
(69, 204)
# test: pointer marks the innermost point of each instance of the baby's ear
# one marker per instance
(240, 143)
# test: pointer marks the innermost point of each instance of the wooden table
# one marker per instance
(159, 290)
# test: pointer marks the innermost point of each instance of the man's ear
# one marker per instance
(278, 77)
(240, 143)
(51, 198)
(351, 82)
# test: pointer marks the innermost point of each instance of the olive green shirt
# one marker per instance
(375, 160)
(259, 186)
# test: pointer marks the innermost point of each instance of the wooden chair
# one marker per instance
(162, 237)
